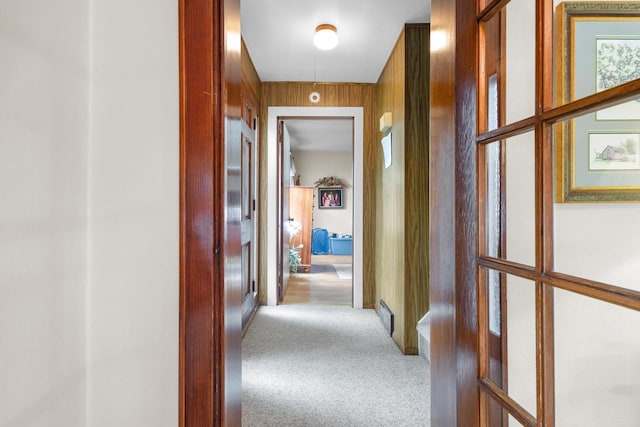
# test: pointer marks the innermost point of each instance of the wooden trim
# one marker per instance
(516, 411)
(198, 20)
(608, 293)
(453, 217)
(442, 239)
(491, 10)
(509, 131)
(466, 215)
(545, 355)
(182, 223)
(594, 102)
(207, 394)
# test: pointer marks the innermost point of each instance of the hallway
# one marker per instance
(313, 365)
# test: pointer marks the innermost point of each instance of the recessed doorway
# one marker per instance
(319, 221)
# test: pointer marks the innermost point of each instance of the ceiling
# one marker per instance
(279, 37)
(321, 134)
(279, 33)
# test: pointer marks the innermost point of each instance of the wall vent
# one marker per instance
(386, 317)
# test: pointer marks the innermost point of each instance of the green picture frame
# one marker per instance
(589, 37)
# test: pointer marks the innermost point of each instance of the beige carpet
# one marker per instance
(310, 365)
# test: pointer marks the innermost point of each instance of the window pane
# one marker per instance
(517, 300)
(509, 64)
(598, 50)
(598, 161)
(520, 60)
(510, 193)
(597, 363)
(521, 326)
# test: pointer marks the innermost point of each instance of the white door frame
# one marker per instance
(357, 113)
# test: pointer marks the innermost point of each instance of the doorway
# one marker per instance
(318, 152)
(354, 113)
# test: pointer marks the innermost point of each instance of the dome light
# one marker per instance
(326, 37)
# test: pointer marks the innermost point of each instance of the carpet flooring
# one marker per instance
(310, 365)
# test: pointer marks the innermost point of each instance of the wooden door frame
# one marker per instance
(210, 286)
(453, 222)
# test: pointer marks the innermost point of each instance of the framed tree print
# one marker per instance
(597, 154)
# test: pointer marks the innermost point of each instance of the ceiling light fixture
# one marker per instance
(326, 37)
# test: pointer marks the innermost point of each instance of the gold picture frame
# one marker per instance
(592, 161)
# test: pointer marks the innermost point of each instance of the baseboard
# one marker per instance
(386, 317)
(252, 315)
(410, 351)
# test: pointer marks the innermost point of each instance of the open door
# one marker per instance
(248, 193)
(284, 182)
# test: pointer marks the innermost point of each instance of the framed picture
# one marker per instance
(330, 198)
(598, 154)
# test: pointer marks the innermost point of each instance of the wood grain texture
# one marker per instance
(416, 180)
(452, 285)
(210, 296)
(200, 378)
(402, 208)
(301, 210)
(390, 229)
(249, 74)
(296, 94)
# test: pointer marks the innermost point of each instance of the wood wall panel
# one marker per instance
(249, 74)
(416, 180)
(390, 226)
(296, 94)
(402, 208)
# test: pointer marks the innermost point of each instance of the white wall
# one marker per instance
(597, 349)
(88, 213)
(313, 165)
(133, 302)
(43, 219)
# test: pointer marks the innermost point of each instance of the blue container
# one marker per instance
(340, 245)
(319, 241)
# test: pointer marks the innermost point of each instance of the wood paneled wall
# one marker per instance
(296, 94)
(390, 226)
(249, 74)
(402, 190)
(416, 180)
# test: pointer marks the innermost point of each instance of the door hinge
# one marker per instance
(254, 205)
(253, 286)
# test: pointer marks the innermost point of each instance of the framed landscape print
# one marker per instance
(597, 154)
